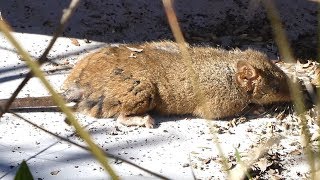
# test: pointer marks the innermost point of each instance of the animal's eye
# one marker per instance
(275, 87)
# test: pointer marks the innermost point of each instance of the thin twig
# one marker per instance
(64, 19)
(192, 171)
(86, 148)
(35, 68)
(295, 91)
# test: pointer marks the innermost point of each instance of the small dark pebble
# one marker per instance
(87, 41)
(206, 161)
(117, 161)
(55, 172)
(186, 165)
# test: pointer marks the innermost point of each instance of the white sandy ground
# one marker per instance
(175, 148)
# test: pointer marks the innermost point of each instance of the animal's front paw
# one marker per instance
(146, 121)
(149, 121)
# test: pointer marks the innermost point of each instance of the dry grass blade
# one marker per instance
(87, 149)
(67, 13)
(241, 170)
(296, 93)
(224, 161)
(65, 18)
(278, 31)
(318, 32)
(192, 171)
(35, 68)
(318, 59)
(175, 28)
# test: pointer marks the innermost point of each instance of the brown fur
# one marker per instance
(123, 82)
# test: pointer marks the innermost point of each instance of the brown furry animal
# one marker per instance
(129, 81)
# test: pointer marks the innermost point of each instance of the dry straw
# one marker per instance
(35, 69)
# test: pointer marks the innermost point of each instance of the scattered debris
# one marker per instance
(75, 42)
(132, 55)
(135, 49)
(55, 172)
(186, 165)
(87, 41)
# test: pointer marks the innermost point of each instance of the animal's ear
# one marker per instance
(245, 75)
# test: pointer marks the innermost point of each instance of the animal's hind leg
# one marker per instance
(131, 102)
(128, 99)
(91, 104)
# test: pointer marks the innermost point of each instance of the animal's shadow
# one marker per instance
(227, 24)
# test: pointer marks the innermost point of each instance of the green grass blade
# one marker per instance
(23, 172)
